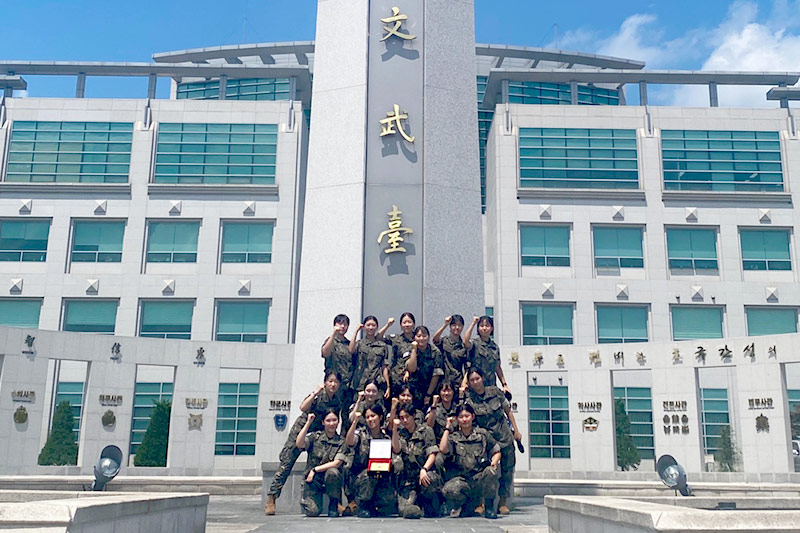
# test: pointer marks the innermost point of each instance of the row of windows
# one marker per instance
(696, 160)
(100, 152)
(95, 241)
(237, 409)
(690, 250)
(544, 324)
(236, 321)
(548, 415)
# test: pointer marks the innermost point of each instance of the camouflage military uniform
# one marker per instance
(490, 414)
(290, 452)
(322, 449)
(454, 356)
(400, 351)
(440, 422)
(468, 463)
(341, 361)
(414, 451)
(371, 357)
(485, 356)
(429, 364)
(373, 490)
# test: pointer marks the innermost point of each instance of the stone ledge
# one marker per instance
(177, 189)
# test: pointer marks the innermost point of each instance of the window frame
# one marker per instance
(748, 308)
(766, 261)
(97, 253)
(705, 263)
(632, 340)
(172, 253)
(547, 338)
(547, 260)
(722, 312)
(37, 255)
(225, 223)
(164, 335)
(243, 335)
(619, 258)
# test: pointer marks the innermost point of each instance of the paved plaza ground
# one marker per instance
(240, 514)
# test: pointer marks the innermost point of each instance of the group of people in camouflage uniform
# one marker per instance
(451, 428)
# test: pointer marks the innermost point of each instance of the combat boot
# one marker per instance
(269, 509)
(490, 512)
(333, 508)
(350, 509)
(503, 508)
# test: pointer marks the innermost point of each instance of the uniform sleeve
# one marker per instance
(342, 453)
(438, 361)
(311, 438)
(430, 442)
(505, 402)
(323, 344)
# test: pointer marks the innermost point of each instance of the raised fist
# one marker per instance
(361, 395)
(475, 319)
(396, 422)
(395, 401)
(435, 400)
(356, 415)
(390, 321)
(414, 345)
(311, 417)
(447, 320)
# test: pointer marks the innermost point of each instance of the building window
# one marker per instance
(236, 89)
(236, 419)
(617, 248)
(172, 242)
(72, 392)
(549, 421)
(90, 316)
(715, 417)
(692, 249)
(546, 324)
(578, 158)
(485, 117)
(144, 397)
(242, 321)
(97, 242)
(489, 311)
(532, 92)
(765, 249)
(247, 242)
(696, 322)
(771, 321)
(639, 406)
(699, 160)
(166, 319)
(20, 313)
(216, 153)
(544, 245)
(63, 152)
(24, 240)
(621, 323)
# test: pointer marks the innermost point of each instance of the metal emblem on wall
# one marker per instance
(280, 422)
(195, 422)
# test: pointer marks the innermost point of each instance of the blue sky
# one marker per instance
(706, 34)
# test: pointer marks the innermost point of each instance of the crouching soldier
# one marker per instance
(472, 458)
(418, 482)
(373, 491)
(325, 458)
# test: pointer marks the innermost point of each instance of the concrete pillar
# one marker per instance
(642, 93)
(713, 97)
(573, 92)
(151, 86)
(80, 86)
(223, 86)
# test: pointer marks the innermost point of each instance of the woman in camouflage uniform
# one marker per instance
(415, 451)
(372, 356)
(484, 354)
(373, 491)
(424, 367)
(323, 470)
(336, 353)
(400, 350)
(491, 411)
(442, 408)
(454, 353)
(471, 459)
(324, 398)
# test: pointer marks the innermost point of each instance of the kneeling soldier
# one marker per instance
(325, 458)
(373, 490)
(418, 482)
(472, 458)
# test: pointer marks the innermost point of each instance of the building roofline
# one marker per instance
(623, 76)
(232, 53)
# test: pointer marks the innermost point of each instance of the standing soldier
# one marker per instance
(373, 490)
(418, 482)
(424, 367)
(372, 357)
(323, 471)
(484, 354)
(491, 412)
(472, 457)
(336, 352)
(454, 353)
(443, 407)
(325, 398)
(399, 350)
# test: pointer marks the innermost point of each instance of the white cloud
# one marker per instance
(640, 38)
(21, 94)
(744, 44)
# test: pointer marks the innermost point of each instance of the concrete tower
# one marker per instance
(392, 211)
